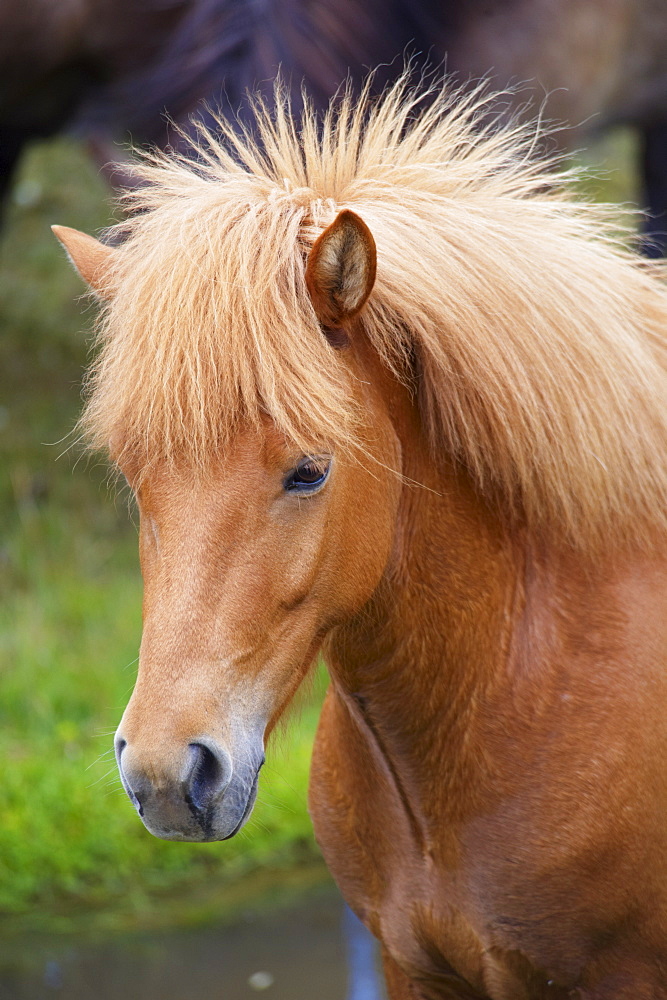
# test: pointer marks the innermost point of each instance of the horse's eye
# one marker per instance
(309, 475)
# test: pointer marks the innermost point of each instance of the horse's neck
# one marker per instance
(414, 663)
(474, 637)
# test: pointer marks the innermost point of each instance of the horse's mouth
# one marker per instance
(209, 825)
(249, 806)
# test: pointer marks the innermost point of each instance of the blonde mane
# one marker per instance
(535, 338)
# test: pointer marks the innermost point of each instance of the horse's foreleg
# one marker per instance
(654, 169)
(12, 142)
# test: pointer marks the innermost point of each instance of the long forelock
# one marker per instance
(536, 338)
(211, 327)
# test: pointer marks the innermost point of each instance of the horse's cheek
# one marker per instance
(365, 546)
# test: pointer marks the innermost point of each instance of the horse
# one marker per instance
(386, 389)
(106, 71)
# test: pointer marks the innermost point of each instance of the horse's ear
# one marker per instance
(92, 259)
(340, 272)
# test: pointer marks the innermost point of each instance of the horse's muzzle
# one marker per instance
(198, 795)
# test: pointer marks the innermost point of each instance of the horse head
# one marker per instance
(247, 568)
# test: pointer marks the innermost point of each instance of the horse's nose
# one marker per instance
(183, 790)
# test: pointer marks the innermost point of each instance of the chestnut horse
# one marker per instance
(384, 388)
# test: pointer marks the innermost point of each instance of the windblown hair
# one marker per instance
(536, 339)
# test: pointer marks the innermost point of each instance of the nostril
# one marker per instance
(209, 775)
(119, 745)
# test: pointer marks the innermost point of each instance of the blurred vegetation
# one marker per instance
(70, 595)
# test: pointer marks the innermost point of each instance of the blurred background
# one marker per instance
(90, 904)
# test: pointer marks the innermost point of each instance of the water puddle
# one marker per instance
(299, 951)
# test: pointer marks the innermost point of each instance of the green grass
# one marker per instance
(70, 594)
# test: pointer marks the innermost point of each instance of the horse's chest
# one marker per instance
(412, 902)
(497, 910)
(451, 954)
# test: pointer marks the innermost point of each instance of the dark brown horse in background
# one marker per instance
(111, 68)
